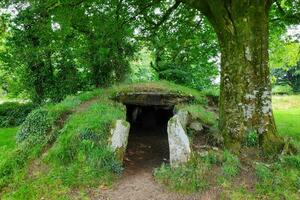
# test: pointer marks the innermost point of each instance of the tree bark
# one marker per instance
(245, 99)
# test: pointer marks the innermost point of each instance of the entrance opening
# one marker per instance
(148, 139)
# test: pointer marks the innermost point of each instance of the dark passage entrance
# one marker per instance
(148, 140)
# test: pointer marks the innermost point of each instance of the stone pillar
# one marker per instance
(179, 144)
(119, 138)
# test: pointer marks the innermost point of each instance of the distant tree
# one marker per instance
(186, 49)
(58, 48)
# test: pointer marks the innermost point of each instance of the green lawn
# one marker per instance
(7, 140)
(287, 115)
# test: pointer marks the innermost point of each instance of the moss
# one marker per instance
(271, 144)
(125, 123)
(120, 153)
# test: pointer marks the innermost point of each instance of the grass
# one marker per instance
(40, 129)
(287, 115)
(7, 141)
(196, 175)
(79, 158)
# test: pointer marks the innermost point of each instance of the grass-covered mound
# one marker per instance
(65, 146)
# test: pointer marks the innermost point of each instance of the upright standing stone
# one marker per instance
(119, 138)
(178, 140)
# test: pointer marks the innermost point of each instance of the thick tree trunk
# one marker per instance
(245, 101)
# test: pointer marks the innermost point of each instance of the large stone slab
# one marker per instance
(155, 98)
(179, 143)
(119, 138)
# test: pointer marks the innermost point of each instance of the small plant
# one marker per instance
(213, 158)
(88, 134)
(251, 139)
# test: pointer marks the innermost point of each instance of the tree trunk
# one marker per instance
(245, 99)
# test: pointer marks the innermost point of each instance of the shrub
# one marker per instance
(36, 125)
(282, 89)
(14, 114)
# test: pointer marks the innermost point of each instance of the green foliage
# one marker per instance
(211, 91)
(36, 126)
(13, 113)
(290, 77)
(282, 89)
(285, 55)
(141, 69)
(185, 49)
(251, 139)
(292, 161)
(65, 49)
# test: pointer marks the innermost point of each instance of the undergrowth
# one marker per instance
(199, 173)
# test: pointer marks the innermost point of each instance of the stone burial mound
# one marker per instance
(88, 137)
(159, 120)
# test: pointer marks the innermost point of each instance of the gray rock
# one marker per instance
(119, 137)
(178, 140)
(196, 126)
(183, 117)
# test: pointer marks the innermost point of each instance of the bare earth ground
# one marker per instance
(145, 152)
